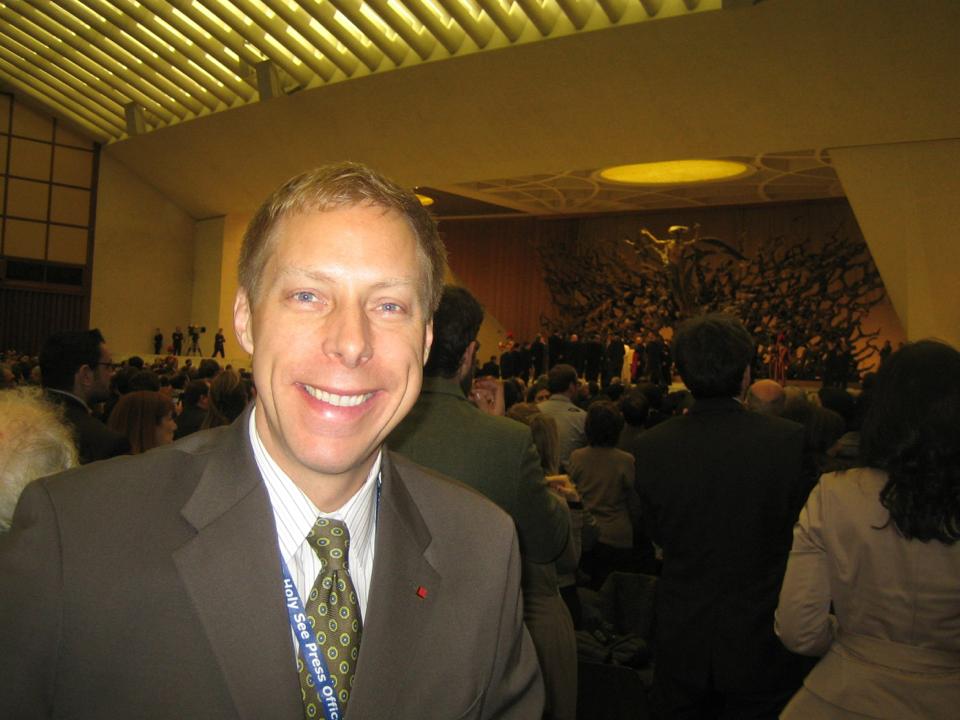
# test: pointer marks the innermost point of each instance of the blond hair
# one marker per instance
(335, 186)
(34, 442)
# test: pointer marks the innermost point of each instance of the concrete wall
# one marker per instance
(143, 262)
(904, 197)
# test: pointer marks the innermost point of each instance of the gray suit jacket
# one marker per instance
(149, 586)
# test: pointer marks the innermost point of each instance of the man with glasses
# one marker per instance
(76, 368)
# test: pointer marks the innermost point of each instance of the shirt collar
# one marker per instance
(69, 395)
(295, 513)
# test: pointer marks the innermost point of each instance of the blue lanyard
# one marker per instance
(310, 650)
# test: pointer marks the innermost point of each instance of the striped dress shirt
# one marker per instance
(295, 514)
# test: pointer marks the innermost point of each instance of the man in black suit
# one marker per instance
(720, 488)
(555, 349)
(76, 368)
(613, 355)
(592, 358)
(177, 338)
(218, 343)
(538, 356)
(653, 352)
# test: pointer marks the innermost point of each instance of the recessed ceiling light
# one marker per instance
(425, 200)
(675, 172)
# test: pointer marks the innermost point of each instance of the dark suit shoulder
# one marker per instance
(432, 490)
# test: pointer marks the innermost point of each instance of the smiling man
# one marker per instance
(286, 566)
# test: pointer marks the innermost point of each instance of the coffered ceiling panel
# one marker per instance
(118, 68)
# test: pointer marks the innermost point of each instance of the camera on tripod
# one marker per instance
(195, 331)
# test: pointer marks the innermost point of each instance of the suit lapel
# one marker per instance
(231, 571)
(403, 590)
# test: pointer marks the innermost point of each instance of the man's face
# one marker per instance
(338, 337)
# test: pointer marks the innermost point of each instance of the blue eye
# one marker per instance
(304, 296)
(391, 307)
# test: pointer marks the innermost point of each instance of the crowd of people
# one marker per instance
(804, 543)
(702, 488)
(831, 361)
(128, 407)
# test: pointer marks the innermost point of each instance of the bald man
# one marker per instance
(766, 397)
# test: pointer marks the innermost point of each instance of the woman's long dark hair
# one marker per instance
(912, 431)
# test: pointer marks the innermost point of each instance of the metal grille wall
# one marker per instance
(28, 316)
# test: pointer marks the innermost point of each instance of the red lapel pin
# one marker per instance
(421, 592)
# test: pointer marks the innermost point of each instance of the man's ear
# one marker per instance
(466, 360)
(427, 340)
(83, 377)
(243, 320)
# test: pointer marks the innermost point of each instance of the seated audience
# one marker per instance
(605, 478)
(209, 369)
(146, 418)
(8, 380)
(144, 380)
(766, 397)
(195, 400)
(35, 441)
(635, 408)
(873, 580)
(227, 398)
(538, 391)
(513, 392)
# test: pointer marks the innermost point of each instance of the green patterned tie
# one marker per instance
(334, 613)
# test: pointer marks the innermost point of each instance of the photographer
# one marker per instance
(194, 331)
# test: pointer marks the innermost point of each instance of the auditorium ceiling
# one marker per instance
(119, 68)
(491, 107)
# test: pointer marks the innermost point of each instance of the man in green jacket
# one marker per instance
(494, 455)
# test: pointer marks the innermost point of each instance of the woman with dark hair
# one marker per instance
(227, 399)
(605, 478)
(873, 580)
(145, 418)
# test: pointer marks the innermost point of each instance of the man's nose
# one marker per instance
(348, 335)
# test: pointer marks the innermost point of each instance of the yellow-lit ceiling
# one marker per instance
(118, 68)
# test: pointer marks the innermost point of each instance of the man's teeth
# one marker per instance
(338, 400)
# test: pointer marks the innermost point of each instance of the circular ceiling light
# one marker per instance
(675, 172)
(425, 200)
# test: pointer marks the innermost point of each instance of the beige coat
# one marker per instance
(891, 646)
